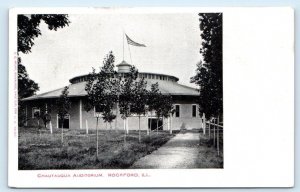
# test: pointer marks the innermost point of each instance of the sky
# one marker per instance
(172, 46)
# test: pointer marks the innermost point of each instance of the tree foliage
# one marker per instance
(26, 86)
(101, 89)
(63, 103)
(139, 97)
(167, 108)
(209, 75)
(126, 92)
(28, 28)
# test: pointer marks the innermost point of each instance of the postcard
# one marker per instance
(151, 97)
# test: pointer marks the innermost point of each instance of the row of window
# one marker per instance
(149, 76)
(36, 111)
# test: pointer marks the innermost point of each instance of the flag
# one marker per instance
(131, 42)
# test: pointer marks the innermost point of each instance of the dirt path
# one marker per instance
(179, 152)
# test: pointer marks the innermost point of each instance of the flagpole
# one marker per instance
(123, 44)
(129, 53)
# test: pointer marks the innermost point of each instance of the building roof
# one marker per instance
(123, 63)
(78, 90)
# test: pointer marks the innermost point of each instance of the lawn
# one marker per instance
(208, 156)
(45, 151)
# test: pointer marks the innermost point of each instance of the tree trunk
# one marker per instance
(39, 128)
(116, 122)
(127, 129)
(62, 133)
(171, 131)
(97, 139)
(139, 129)
(157, 126)
(218, 139)
(209, 130)
(124, 131)
(150, 128)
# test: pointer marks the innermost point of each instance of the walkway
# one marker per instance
(179, 152)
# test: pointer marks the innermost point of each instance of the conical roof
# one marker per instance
(123, 67)
(123, 63)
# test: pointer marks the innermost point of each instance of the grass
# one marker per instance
(45, 151)
(208, 156)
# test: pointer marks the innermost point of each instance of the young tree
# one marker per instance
(153, 99)
(126, 95)
(108, 117)
(167, 107)
(140, 98)
(100, 94)
(63, 104)
(159, 109)
(209, 75)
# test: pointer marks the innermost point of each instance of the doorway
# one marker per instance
(152, 123)
(65, 122)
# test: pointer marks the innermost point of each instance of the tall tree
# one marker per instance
(26, 88)
(28, 28)
(63, 104)
(209, 75)
(140, 98)
(101, 95)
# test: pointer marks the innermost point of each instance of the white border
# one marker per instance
(258, 106)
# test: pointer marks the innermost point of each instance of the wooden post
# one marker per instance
(171, 124)
(50, 126)
(97, 138)
(86, 126)
(204, 124)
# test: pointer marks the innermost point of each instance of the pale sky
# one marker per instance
(172, 40)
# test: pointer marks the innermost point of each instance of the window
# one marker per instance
(194, 110)
(177, 110)
(35, 112)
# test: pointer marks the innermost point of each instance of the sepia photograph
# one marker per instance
(120, 91)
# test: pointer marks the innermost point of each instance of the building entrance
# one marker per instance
(65, 122)
(152, 124)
